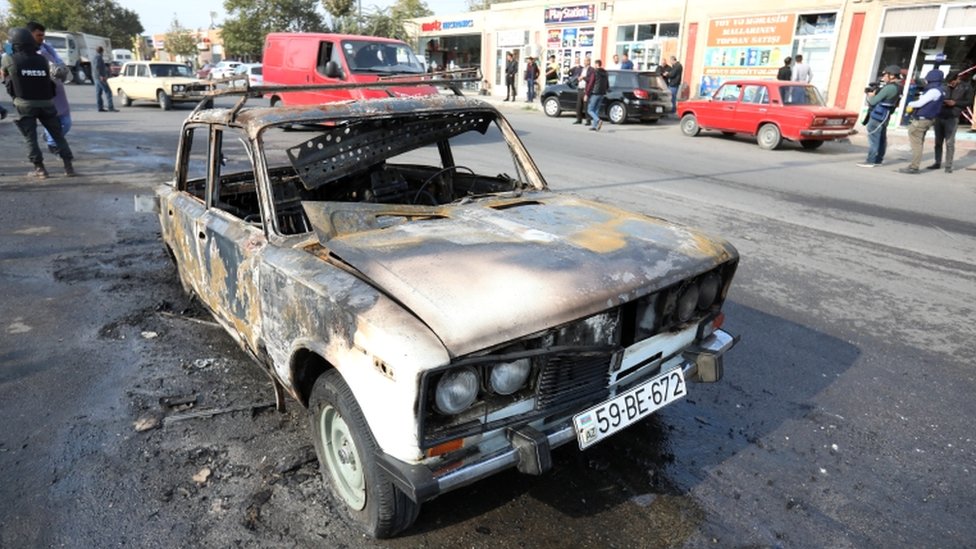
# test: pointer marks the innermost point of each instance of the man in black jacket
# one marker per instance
(511, 72)
(786, 71)
(959, 95)
(29, 84)
(674, 81)
(597, 85)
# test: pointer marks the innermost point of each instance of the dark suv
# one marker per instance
(633, 95)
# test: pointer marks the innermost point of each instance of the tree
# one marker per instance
(180, 42)
(478, 5)
(99, 17)
(248, 21)
(391, 23)
(341, 13)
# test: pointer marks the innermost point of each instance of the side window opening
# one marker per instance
(235, 187)
(194, 170)
(326, 54)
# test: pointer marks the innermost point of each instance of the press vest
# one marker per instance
(931, 109)
(30, 77)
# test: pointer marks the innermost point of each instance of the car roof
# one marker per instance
(766, 82)
(254, 119)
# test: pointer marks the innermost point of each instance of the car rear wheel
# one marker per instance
(124, 99)
(811, 144)
(346, 452)
(165, 102)
(551, 106)
(689, 125)
(617, 112)
(769, 137)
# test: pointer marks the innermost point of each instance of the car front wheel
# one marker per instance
(551, 106)
(769, 137)
(124, 99)
(689, 125)
(617, 113)
(165, 102)
(346, 452)
(811, 144)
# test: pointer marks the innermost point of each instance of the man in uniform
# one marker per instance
(29, 84)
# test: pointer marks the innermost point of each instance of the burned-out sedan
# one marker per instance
(400, 268)
(770, 110)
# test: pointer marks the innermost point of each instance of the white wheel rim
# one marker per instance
(551, 107)
(342, 458)
(616, 113)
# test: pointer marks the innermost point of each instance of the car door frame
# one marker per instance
(723, 111)
(748, 113)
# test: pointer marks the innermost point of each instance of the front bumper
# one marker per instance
(529, 448)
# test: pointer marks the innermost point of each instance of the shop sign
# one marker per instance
(435, 26)
(746, 47)
(570, 14)
(511, 38)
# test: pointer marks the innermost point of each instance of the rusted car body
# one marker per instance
(400, 267)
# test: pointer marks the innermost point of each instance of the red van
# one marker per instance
(294, 59)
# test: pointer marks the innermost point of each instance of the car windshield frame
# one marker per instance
(370, 57)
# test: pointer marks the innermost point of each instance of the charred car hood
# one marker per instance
(489, 272)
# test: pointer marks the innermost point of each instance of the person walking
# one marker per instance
(29, 83)
(531, 76)
(881, 103)
(674, 81)
(801, 71)
(552, 71)
(59, 73)
(959, 96)
(597, 85)
(581, 78)
(511, 71)
(924, 111)
(101, 81)
(786, 71)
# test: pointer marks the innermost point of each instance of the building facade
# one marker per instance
(845, 43)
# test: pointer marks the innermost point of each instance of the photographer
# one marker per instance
(882, 100)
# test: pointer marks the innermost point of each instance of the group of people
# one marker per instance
(795, 70)
(939, 106)
(34, 76)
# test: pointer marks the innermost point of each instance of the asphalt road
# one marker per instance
(844, 419)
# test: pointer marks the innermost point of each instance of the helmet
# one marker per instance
(22, 39)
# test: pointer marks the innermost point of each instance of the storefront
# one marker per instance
(570, 34)
(647, 44)
(453, 43)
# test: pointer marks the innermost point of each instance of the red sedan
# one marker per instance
(771, 110)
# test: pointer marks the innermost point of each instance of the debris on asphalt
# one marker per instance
(175, 418)
(178, 403)
(150, 335)
(202, 476)
(146, 423)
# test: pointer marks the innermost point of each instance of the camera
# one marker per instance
(873, 87)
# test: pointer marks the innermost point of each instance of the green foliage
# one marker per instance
(478, 5)
(99, 17)
(179, 41)
(248, 21)
(391, 23)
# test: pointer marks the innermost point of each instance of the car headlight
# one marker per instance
(456, 390)
(647, 317)
(688, 302)
(508, 377)
(178, 88)
(708, 290)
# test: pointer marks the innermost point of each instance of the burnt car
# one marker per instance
(634, 96)
(400, 268)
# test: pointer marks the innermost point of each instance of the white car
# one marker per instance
(162, 82)
(224, 69)
(250, 71)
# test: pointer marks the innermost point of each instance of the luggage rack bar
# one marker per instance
(445, 79)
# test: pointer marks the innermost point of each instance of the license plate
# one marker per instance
(659, 109)
(835, 122)
(618, 413)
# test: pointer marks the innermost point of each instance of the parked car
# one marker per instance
(223, 69)
(114, 68)
(400, 267)
(164, 83)
(634, 95)
(204, 71)
(771, 110)
(249, 72)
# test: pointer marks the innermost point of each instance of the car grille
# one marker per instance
(573, 377)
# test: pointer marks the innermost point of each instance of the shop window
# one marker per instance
(669, 30)
(909, 20)
(960, 17)
(815, 23)
(646, 32)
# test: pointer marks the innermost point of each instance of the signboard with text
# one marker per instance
(570, 14)
(745, 47)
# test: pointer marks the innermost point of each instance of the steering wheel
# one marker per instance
(437, 173)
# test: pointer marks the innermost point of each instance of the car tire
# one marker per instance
(165, 102)
(79, 74)
(689, 125)
(124, 99)
(617, 113)
(811, 144)
(769, 137)
(347, 456)
(551, 106)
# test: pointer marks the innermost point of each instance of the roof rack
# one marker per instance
(446, 79)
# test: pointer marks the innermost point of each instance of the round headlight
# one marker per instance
(687, 303)
(508, 377)
(647, 317)
(708, 290)
(456, 390)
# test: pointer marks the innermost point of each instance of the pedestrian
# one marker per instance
(786, 71)
(801, 71)
(59, 73)
(29, 84)
(552, 71)
(597, 85)
(101, 81)
(626, 64)
(615, 64)
(581, 77)
(675, 72)
(882, 101)
(959, 96)
(924, 111)
(531, 77)
(511, 71)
